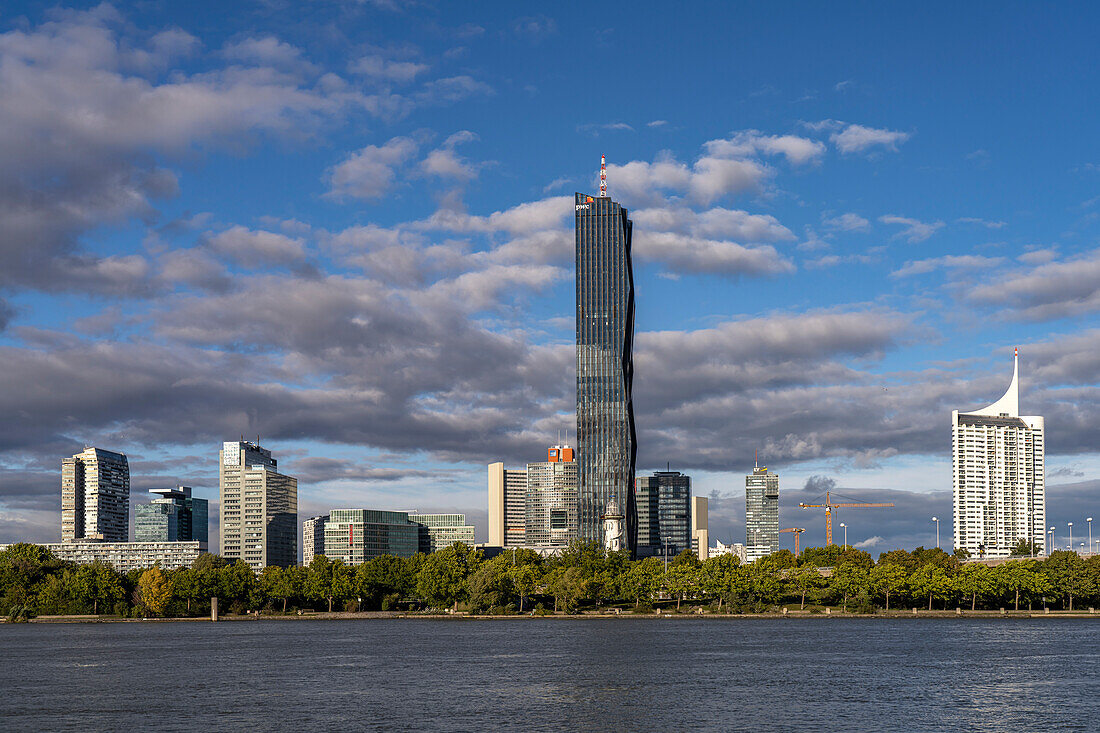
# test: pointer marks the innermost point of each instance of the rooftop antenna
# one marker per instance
(756, 460)
(603, 176)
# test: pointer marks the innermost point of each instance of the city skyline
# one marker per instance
(351, 235)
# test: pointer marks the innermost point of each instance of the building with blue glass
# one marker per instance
(174, 516)
(606, 438)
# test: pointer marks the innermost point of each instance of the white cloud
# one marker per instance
(980, 222)
(1055, 289)
(377, 67)
(914, 230)
(257, 248)
(444, 162)
(797, 150)
(857, 139)
(699, 255)
(869, 543)
(369, 172)
(848, 223)
(952, 262)
(657, 123)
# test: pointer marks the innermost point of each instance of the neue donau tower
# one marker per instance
(606, 441)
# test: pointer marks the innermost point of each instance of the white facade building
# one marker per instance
(998, 474)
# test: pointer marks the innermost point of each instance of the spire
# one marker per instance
(1009, 404)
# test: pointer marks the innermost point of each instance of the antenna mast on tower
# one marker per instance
(603, 176)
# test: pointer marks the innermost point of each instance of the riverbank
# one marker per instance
(462, 616)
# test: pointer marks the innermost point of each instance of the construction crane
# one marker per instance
(830, 506)
(797, 533)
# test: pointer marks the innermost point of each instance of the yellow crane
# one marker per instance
(830, 506)
(797, 533)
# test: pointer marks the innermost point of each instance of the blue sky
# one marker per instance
(344, 227)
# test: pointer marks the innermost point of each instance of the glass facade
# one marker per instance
(439, 531)
(761, 514)
(606, 439)
(357, 535)
(664, 513)
(551, 506)
(175, 516)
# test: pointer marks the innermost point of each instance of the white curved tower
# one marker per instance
(614, 536)
(999, 476)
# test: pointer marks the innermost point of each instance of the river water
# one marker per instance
(621, 674)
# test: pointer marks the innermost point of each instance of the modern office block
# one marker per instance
(606, 439)
(95, 497)
(761, 513)
(313, 538)
(507, 506)
(127, 556)
(663, 503)
(551, 518)
(999, 476)
(357, 535)
(174, 516)
(700, 529)
(438, 531)
(259, 507)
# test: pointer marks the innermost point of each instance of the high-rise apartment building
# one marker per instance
(507, 506)
(357, 535)
(550, 518)
(439, 531)
(700, 526)
(313, 538)
(606, 439)
(174, 516)
(664, 513)
(95, 497)
(259, 507)
(999, 476)
(761, 513)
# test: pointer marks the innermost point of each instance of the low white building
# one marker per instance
(127, 556)
(736, 549)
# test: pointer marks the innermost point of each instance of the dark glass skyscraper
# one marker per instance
(606, 441)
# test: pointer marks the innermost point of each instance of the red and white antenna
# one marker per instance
(603, 176)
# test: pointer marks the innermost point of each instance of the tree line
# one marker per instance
(581, 578)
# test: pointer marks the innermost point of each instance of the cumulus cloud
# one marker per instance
(444, 162)
(913, 230)
(369, 172)
(1052, 289)
(950, 262)
(870, 542)
(378, 67)
(860, 139)
(685, 253)
(847, 223)
(256, 248)
(797, 150)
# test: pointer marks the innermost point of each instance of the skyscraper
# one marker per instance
(259, 507)
(761, 513)
(606, 439)
(999, 476)
(174, 516)
(663, 503)
(313, 538)
(507, 505)
(550, 518)
(95, 497)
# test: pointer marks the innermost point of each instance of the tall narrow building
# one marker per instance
(507, 505)
(259, 507)
(999, 476)
(550, 518)
(95, 497)
(606, 439)
(761, 513)
(663, 503)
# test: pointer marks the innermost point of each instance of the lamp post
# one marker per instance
(937, 521)
(845, 528)
(1070, 535)
(1089, 520)
(1050, 545)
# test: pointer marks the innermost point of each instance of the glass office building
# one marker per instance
(551, 505)
(440, 531)
(606, 439)
(761, 513)
(664, 514)
(357, 535)
(174, 516)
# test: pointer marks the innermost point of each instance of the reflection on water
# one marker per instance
(623, 674)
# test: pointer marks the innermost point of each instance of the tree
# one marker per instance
(802, 579)
(1023, 548)
(443, 576)
(642, 580)
(525, 580)
(155, 590)
(888, 578)
(98, 584)
(930, 580)
(717, 574)
(975, 579)
(682, 580)
(851, 580)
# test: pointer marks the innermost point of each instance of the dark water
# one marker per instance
(629, 674)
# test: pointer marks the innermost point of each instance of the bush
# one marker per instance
(237, 608)
(390, 601)
(121, 609)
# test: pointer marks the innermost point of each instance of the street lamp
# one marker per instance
(1070, 535)
(845, 527)
(937, 521)
(1050, 545)
(1089, 520)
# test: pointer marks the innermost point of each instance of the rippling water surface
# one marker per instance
(623, 674)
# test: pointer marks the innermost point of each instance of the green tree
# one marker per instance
(930, 580)
(973, 580)
(681, 581)
(889, 579)
(98, 585)
(1065, 572)
(717, 576)
(443, 578)
(491, 584)
(642, 580)
(803, 579)
(155, 589)
(850, 579)
(525, 580)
